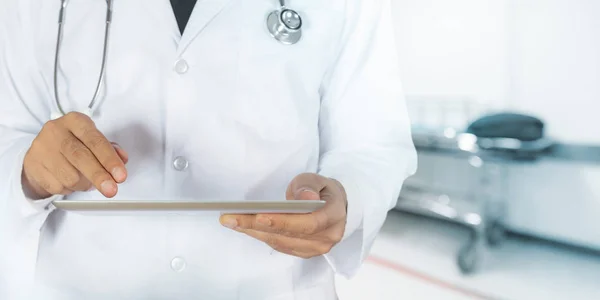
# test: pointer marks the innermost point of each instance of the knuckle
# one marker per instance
(309, 228)
(53, 125)
(51, 129)
(338, 236)
(70, 115)
(67, 144)
(286, 225)
(95, 139)
(71, 185)
(335, 236)
(99, 176)
(53, 189)
(37, 144)
(304, 255)
(87, 186)
(27, 161)
(49, 126)
(244, 223)
(280, 231)
(69, 180)
(75, 117)
(324, 248)
(46, 186)
(254, 225)
(281, 227)
(78, 152)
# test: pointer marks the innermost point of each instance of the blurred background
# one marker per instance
(504, 97)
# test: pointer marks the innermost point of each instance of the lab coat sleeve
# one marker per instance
(365, 132)
(23, 103)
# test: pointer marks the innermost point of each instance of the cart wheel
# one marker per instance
(468, 258)
(495, 234)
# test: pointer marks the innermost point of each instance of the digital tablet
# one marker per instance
(187, 207)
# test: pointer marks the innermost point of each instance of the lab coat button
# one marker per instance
(180, 163)
(178, 264)
(181, 66)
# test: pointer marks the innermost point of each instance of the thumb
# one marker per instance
(306, 194)
(306, 187)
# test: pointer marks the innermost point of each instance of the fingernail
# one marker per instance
(116, 145)
(314, 195)
(230, 223)
(118, 174)
(108, 187)
(264, 221)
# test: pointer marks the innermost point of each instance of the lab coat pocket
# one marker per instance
(266, 274)
(265, 118)
(277, 286)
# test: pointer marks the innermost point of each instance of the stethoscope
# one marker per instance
(284, 25)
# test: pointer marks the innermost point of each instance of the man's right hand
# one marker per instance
(70, 154)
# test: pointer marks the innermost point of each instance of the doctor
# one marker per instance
(220, 106)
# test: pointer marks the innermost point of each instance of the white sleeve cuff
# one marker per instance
(347, 255)
(31, 211)
(354, 211)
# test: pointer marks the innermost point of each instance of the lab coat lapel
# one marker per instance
(163, 12)
(204, 12)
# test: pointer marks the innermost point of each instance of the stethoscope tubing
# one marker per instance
(61, 22)
(280, 32)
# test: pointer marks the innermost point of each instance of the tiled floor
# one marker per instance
(414, 258)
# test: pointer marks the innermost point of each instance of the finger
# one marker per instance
(85, 161)
(300, 226)
(292, 246)
(331, 234)
(84, 129)
(122, 153)
(66, 174)
(46, 180)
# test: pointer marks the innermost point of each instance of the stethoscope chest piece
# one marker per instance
(285, 25)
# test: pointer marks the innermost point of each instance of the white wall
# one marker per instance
(536, 56)
(453, 48)
(555, 65)
(555, 73)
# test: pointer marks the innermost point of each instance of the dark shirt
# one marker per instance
(183, 10)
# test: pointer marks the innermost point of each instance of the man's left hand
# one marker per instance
(306, 235)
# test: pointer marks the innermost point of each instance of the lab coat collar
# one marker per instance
(204, 12)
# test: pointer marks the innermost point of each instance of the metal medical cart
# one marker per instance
(462, 179)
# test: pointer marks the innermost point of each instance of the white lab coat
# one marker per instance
(247, 113)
